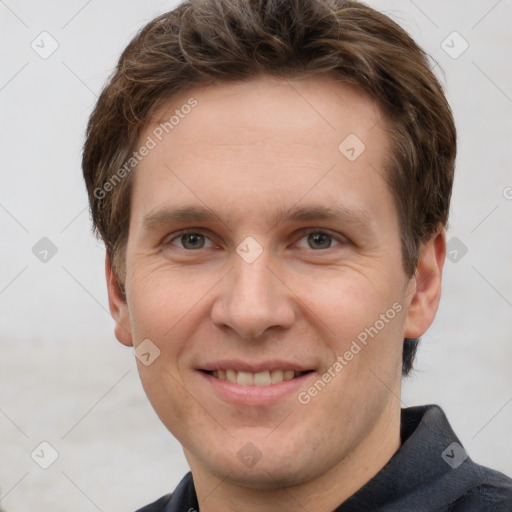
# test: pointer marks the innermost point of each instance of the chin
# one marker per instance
(266, 477)
(273, 470)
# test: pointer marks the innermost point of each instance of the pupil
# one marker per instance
(191, 240)
(320, 239)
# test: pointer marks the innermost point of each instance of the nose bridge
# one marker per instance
(253, 281)
(252, 298)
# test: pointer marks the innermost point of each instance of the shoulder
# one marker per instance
(157, 506)
(492, 492)
(183, 498)
(448, 480)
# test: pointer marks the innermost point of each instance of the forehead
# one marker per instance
(262, 144)
(267, 107)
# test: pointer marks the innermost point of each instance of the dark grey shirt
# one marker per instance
(430, 472)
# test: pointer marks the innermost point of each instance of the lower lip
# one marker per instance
(256, 395)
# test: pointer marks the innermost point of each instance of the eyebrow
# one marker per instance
(169, 215)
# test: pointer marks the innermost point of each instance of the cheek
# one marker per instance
(359, 318)
(165, 305)
(347, 301)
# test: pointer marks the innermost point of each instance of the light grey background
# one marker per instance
(64, 378)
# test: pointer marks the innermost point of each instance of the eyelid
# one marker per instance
(338, 237)
(179, 234)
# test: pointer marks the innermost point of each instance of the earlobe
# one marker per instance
(426, 289)
(118, 305)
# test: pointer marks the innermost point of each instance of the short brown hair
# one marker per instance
(207, 41)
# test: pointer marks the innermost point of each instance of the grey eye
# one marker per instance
(191, 240)
(319, 240)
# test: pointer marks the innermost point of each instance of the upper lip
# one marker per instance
(253, 366)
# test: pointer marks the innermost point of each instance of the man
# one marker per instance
(272, 182)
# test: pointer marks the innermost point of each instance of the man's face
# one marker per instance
(297, 263)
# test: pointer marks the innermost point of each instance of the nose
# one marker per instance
(253, 299)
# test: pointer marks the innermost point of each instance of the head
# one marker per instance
(248, 123)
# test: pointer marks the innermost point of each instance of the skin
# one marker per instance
(246, 150)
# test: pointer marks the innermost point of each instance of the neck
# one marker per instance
(323, 494)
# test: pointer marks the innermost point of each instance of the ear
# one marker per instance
(425, 286)
(118, 305)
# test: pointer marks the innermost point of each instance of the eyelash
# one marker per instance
(340, 239)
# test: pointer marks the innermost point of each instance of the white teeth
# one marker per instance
(245, 378)
(231, 376)
(288, 374)
(265, 378)
(276, 376)
(262, 378)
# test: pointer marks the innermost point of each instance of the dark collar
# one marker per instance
(429, 471)
(426, 473)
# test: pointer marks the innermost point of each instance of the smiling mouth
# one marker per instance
(264, 378)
